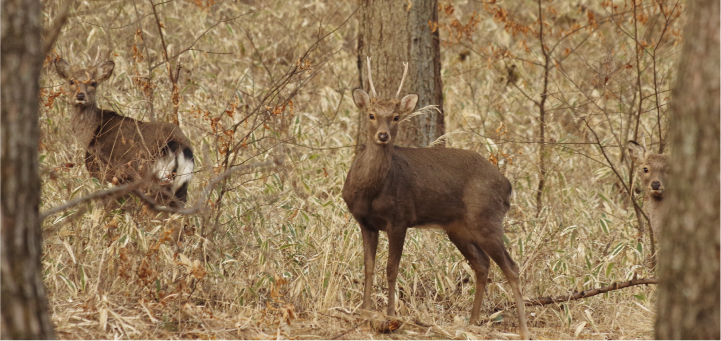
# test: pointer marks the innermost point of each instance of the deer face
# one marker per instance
(83, 83)
(383, 116)
(652, 171)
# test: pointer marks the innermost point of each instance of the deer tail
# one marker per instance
(176, 164)
(184, 173)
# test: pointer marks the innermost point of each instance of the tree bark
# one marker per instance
(23, 301)
(688, 295)
(392, 32)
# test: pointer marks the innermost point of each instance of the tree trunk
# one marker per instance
(392, 33)
(24, 306)
(688, 293)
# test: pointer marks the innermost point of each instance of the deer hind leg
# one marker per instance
(492, 244)
(479, 263)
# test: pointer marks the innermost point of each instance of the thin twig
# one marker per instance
(190, 47)
(162, 37)
(151, 92)
(175, 97)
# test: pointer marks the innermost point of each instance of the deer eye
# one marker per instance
(72, 82)
(396, 118)
(94, 84)
(645, 169)
(371, 117)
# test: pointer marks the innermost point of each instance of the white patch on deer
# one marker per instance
(184, 171)
(163, 167)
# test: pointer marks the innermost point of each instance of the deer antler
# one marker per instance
(405, 71)
(370, 78)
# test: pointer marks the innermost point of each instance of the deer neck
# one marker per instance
(655, 211)
(371, 167)
(85, 123)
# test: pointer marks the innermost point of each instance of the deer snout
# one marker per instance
(383, 137)
(655, 185)
(80, 97)
(656, 190)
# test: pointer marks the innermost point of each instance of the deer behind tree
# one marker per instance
(652, 171)
(120, 149)
(392, 189)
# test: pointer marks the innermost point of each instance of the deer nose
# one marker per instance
(383, 137)
(655, 185)
(80, 96)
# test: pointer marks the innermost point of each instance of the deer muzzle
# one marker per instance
(383, 137)
(80, 98)
(657, 189)
(655, 185)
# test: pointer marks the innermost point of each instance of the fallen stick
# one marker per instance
(346, 332)
(589, 293)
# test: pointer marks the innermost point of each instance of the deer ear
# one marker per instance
(361, 99)
(105, 70)
(62, 67)
(408, 103)
(637, 152)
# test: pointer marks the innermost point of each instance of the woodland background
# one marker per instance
(276, 254)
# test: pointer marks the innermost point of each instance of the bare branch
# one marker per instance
(134, 188)
(594, 292)
(112, 193)
(51, 34)
(200, 204)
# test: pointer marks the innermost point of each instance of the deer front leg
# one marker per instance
(370, 245)
(396, 238)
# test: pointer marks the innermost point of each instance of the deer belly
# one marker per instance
(99, 168)
(441, 211)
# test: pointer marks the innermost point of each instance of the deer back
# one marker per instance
(126, 145)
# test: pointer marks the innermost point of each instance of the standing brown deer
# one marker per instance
(392, 189)
(120, 149)
(652, 172)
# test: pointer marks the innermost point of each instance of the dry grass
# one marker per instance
(277, 255)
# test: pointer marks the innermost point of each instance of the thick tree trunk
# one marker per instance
(688, 294)
(392, 33)
(24, 306)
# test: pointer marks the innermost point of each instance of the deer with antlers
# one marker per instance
(392, 189)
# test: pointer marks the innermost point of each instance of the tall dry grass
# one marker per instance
(276, 254)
